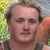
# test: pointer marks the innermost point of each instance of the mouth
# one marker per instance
(25, 33)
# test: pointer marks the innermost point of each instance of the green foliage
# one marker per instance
(3, 4)
(3, 25)
(49, 42)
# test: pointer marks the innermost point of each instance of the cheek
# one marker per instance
(15, 27)
(34, 27)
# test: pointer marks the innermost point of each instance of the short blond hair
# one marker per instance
(25, 3)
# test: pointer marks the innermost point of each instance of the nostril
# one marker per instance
(25, 29)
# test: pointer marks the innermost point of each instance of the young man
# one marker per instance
(23, 19)
(44, 30)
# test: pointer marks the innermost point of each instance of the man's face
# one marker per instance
(23, 23)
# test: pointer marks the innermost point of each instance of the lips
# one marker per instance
(25, 33)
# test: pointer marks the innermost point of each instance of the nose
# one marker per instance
(26, 26)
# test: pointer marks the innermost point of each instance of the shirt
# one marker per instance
(7, 47)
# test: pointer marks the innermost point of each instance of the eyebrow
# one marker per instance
(28, 19)
(20, 18)
(32, 19)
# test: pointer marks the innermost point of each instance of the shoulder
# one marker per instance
(46, 47)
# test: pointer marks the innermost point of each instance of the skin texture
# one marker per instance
(23, 26)
(23, 23)
(44, 30)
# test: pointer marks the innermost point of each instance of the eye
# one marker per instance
(32, 21)
(19, 20)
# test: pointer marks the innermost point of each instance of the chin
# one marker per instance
(25, 40)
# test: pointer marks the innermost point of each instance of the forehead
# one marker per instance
(21, 11)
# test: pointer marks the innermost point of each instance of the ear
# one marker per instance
(46, 47)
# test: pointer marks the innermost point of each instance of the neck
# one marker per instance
(14, 45)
